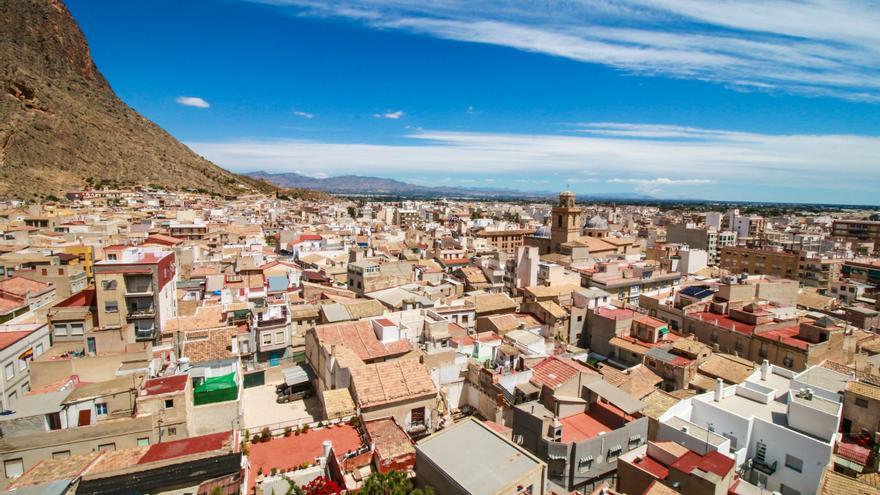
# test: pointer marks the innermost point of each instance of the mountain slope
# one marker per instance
(61, 124)
(358, 184)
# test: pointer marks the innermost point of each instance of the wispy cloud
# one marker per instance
(643, 155)
(305, 115)
(192, 101)
(810, 47)
(655, 186)
(390, 114)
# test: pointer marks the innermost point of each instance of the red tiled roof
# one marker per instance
(554, 371)
(20, 286)
(187, 446)
(581, 427)
(360, 338)
(9, 338)
(788, 336)
(712, 462)
(83, 298)
(650, 465)
(854, 452)
(723, 321)
(289, 452)
(164, 385)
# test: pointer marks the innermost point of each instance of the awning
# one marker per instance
(298, 374)
(840, 461)
(620, 399)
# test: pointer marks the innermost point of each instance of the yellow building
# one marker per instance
(85, 256)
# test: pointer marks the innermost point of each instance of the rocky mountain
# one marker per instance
(63, 127)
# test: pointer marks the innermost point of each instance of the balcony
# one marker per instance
(138, 286)
(148, 333)
(139, 313)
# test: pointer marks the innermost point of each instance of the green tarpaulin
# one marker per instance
(216, 389)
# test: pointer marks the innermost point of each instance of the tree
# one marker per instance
(318, 486)
(391, 483)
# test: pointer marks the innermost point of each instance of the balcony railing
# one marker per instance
(142, 313)
(145, 333)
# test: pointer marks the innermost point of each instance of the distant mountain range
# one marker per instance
(378, 186)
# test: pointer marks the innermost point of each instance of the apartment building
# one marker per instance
(504, 240)
(780, 432)
(581, 430)
(756, 261)
(19, 345)
(858, 231)
(627, 282)
(136, 292)
(367, 276)
(708, 239)
(488, 464)
(818, 272)
(406, 218)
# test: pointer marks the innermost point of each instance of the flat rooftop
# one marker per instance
(487, 464)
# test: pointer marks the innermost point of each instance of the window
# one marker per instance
(169, 403)
(785, 490)
(111, 306)
(585, 463)
(267, 338)
(14, 468)
(107, 447)
(613, 452)
(54, 421)
(60, 329)
(76, 328)
(108, 284)
(101, 409)
(861, 402)
(10, 371)
(143, 442)
(794, 463)
(172, 431)
(39, 350)
(417, 416)
(13, 396)
(635, 441)
(64, 454)
(25, 388)
(763, 351)
(22, 365)
(279, 337)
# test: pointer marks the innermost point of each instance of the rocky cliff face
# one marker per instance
(62, 126)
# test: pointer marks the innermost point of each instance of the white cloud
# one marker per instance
(624, 151)
(655, 186)
(812, 47)
(395, 114)
(305, 115)
(192, 101)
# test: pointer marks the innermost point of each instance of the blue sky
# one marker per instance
(772, 100)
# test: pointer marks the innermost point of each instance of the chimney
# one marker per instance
(765, 370)
(719, 388)
(328, 446)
